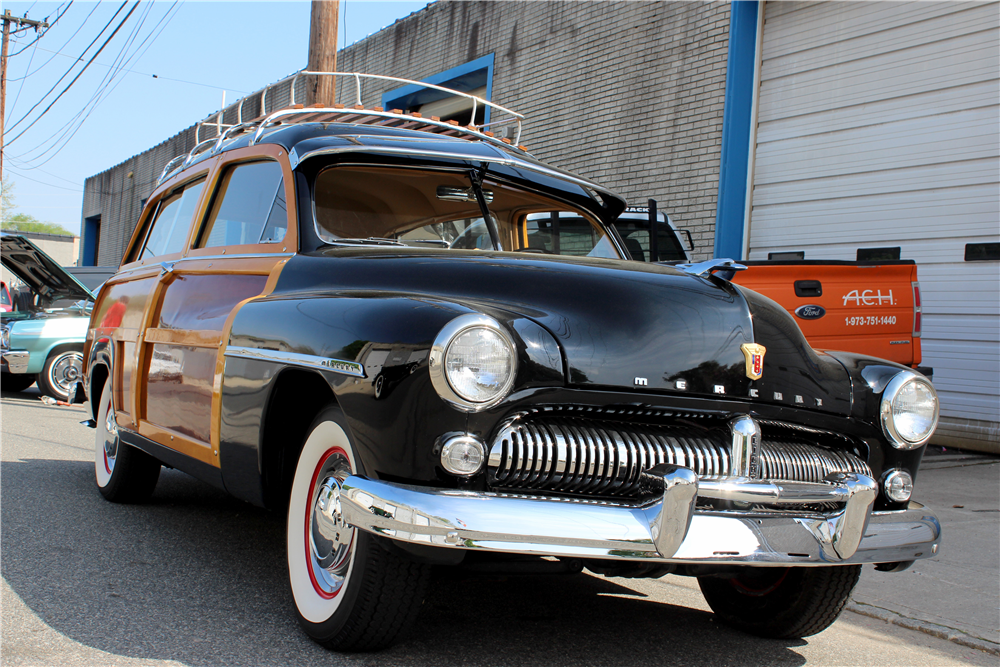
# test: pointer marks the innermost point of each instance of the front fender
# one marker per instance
(869, 377)
(372, 350)
(40, 337)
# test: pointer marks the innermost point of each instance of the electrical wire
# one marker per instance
(20, 165)
(150, 74)
(50, 185)
(42, 99)
(54, 53)
(39, 36)
(60, 142)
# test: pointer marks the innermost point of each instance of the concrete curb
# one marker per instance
(940, 631)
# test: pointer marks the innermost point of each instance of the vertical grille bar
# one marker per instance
(581, 455)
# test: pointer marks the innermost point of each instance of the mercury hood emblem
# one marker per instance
(754, 354)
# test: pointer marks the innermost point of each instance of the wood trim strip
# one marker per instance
(185, 338)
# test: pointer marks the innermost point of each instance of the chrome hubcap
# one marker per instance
(110, 438)
(65, 371)
(330, 537)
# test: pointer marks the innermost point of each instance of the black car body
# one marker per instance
(425, 346)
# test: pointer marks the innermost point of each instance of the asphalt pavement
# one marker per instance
(198, 578)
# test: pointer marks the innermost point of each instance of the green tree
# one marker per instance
(22, 222)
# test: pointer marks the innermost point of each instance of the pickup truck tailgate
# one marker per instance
(866, 308)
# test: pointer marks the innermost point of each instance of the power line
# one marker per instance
(103, 92)
(42, 99)
(42, 66)
(42, 34)
(51, 185)
(150, 74)
(108, 77)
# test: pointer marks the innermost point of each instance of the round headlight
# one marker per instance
(473, 362)
(5, 337)
(909, 410)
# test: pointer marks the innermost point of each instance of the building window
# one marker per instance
(978, 252)
(877, 254)
(475, 78)
(788, 256)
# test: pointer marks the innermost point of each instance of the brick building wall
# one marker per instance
(629, 94)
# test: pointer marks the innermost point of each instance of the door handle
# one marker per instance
(166, 268)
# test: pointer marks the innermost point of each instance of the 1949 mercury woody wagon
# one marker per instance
(422, 343)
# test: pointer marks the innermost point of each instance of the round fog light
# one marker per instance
(898, 486)
(463, 455)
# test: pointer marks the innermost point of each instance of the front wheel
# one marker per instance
(781, 602)
(59, 373)
(350, 592)
(124, 474)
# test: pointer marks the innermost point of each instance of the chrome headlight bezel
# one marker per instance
(439, 352)
(890, 394)
(5, 337)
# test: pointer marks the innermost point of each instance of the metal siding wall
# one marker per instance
(879, 125)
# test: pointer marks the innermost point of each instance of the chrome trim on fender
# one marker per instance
(666, 530)
(351, 368)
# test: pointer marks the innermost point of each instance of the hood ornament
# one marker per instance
(754, 354)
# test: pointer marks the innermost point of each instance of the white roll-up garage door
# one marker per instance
(879, 127)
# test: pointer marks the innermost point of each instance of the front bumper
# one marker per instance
(667, 530)
(16, 361)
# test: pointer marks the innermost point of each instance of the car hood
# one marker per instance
(39, 271)
(621, 325)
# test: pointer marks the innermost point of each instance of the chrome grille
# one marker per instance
(594, 457)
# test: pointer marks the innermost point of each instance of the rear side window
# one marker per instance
(173, 221)
(249, 207)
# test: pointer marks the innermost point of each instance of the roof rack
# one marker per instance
(356, 114)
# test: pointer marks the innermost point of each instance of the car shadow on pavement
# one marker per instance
(197, 577)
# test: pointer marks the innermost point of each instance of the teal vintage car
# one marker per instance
(41, 341)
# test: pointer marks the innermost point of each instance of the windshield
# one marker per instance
(442, 209)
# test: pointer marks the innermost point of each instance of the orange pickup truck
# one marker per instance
(866, 307)
(869, 308)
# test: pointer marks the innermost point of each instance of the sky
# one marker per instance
(166, 68)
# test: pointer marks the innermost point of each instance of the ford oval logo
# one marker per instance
(810, 312)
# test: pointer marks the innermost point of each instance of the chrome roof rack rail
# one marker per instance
(357, 114)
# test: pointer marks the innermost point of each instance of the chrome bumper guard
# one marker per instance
(17, 362)
(669, 529)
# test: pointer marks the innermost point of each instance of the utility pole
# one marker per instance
(7, 20)
(322, 52)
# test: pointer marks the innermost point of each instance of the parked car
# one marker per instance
(378, 324)
(42, 341)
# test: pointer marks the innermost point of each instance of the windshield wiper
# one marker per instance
(371, 240)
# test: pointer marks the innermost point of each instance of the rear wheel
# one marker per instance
(351, 593)
(781, 602)
(59, 373)
(16, 381)
(124, 474)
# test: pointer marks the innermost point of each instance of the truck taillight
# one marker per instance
(917, 310)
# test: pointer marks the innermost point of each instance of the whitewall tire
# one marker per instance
(123, 473)
(351, 592)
